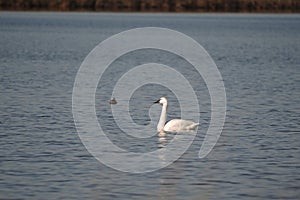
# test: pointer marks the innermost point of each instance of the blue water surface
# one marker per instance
(256, 157)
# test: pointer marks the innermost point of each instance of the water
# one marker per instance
(256, 157)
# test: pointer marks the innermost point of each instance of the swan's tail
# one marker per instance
(193, 126)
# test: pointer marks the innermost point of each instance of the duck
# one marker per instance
(112, 101)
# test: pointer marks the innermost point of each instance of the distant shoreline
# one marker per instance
(145, 12)
(151, 6)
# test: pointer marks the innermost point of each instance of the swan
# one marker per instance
(175, 125)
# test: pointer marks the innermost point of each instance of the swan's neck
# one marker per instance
(163, 118)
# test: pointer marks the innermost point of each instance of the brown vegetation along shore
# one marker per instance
(287, 6)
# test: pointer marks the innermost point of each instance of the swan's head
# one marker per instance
(162, 100)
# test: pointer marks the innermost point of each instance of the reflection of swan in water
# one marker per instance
(112, 101)
(175, 125)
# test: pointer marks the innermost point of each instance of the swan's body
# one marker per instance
(175, 125)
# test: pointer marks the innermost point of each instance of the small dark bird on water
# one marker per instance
(112, 101)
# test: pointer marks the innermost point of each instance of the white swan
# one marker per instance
(175, 125)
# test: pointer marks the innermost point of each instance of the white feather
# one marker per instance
(175, 125)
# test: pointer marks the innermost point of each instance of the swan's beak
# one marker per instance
(156, 101)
